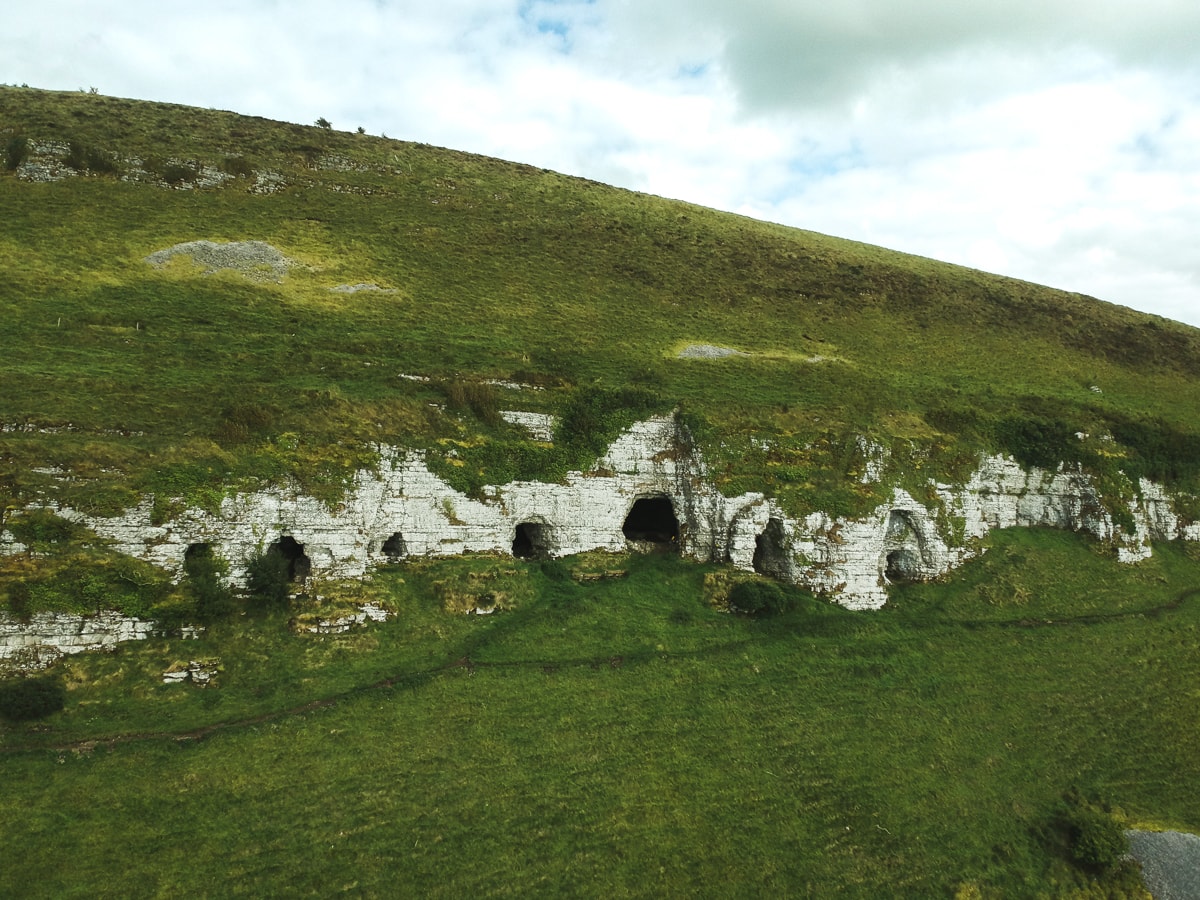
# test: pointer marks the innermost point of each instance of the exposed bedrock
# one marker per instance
(648, 492)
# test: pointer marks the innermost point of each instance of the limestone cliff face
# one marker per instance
(402, 510)
(49, 636)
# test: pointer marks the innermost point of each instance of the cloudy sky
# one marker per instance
(1052, 140)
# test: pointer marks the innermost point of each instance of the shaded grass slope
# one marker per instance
(623, 738)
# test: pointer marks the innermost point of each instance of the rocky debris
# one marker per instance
(513, 385)
(708, 351)
(370, 612)
(200, 672)
(256, 260)
(539, 425)
(268, 183)
(361, 286)
(1170, 863)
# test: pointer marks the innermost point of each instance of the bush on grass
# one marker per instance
(760, 598)
(268, 580)
(205, 573)
(16, 151)
(1095, 839)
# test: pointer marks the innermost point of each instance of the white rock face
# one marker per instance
(403, 510)
(539, 425)
(369, 612)
(50, 636)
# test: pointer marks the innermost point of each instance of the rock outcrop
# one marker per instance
(401, 509)
(47, 637)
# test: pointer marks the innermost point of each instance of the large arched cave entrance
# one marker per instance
(532, 541)
(298, 564)
(652, 520)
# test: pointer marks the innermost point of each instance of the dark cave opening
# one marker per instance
(197, 558)
(770, 554)
(531, 541)
(903, 565)
(292, 550)
(652, 520)
(393, 547)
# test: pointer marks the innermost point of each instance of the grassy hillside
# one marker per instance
(614, 737)
(623, 738)
(170, 379)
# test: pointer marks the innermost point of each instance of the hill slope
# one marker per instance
(490, 270)
(611, 731)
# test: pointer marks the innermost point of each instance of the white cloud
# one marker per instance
(1045, 139)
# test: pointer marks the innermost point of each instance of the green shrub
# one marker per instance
(16, 151)
(19, 595)
(212, 598)
(1095, 839)
(26, 699)
(39, 528)
(760, 598)
(177, 173)
(85, 158)
(267, 579)
(596, 415)
(477, 396)
(237, 166)
(241, 422)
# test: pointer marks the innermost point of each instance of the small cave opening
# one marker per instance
(903, 565)
(531, 541)
(197, 558)
(197, 551)
(652, 520)
(393, 548)
(292, 550)
(771, 557)
(903, 549)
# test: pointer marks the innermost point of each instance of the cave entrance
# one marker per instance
(771, 556)
(531, 541)
(903, 565)
(298, 563)
(197, 558)
(903, 550)
(393, 548)
(652, 520)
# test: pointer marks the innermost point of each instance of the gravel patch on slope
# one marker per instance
(1170, 863)
(254, 259)
(361, 286)
(708, 351)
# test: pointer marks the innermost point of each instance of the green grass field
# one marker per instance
(623, 738)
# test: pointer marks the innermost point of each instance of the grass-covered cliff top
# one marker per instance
(132, 377)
